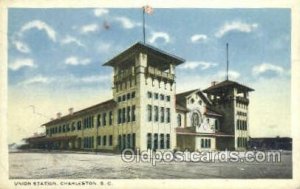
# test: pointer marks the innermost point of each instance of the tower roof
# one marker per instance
(224, 85)
(154, 53)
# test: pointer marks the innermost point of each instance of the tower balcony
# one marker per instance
(156, 73)
(242, 100)
(129, 73)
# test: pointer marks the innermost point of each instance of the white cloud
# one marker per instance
(104, 47)
(73, 60)
(40, 25)
(36, 80)
(69, 39)
(20, 63)
(89, 28)
(266, 67)
(198, 38)
(236, 26)
(68, 80)
(221, 75)
(194, 64)
(21, 46)
(127, 23)
(159, 35)
(100, 12)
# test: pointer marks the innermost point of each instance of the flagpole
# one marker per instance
(144, 32)
(227, 61)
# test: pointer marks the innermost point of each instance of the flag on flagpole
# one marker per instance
(148, 9)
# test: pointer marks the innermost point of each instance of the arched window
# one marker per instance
(179, 120)
(195, 119)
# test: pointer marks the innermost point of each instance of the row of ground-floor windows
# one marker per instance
(126, 141)
(88, 142)
(205, 143)
(158, 141)
(242, 142)
(102, 140)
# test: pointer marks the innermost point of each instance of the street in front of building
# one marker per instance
(110, 166)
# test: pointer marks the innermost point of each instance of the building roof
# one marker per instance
(105, 104)
(212, 113)
(180, 98)
(181, 108)
(146, 48)
(225, 85)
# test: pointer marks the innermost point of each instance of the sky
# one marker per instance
(55, 58)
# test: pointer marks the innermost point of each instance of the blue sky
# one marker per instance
(60, 51)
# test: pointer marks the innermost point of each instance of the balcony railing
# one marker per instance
(124, 74)
(158, 73)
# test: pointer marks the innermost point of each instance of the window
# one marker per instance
(123, 115)
(119, 99)
(217, 125)
(149, 94)
(133, 140)
(200, 102)
(64, 128)
(168, 141)
(168, 115)
(156, 96)
(205, 143)
(79, 125)
(162, 114)
(128, 114)
(104, 141)
(168, 98)
(162, 97)
(162, 141)
(133, 94)
(124, 98)
(195, 119)
(68, 127)
(155, 141)
(155, 113)
(179, 120)
(119, 116)
(128, 141)
(192, 101)
(104, 118)
(133, 113)
(149, 112)
(110, 118)
(99, 120)
(73, 126)
(123, 141)
(59, 129)
(110, 140)
(120, 142)
(99, 140)
(128, 96)
(149, 141)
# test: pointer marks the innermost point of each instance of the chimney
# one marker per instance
(71, 111)
(58, 115)
(214, 83)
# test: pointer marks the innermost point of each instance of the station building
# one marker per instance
(146, 113)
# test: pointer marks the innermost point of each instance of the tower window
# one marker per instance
(156, 96)
(179, 120)
(168, 98)
(149, 112)
(128, 96)
(133, 94)
(162, 97)
(149, 94)
(155, 113)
